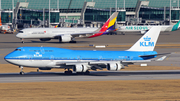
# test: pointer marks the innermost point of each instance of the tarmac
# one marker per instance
(94, 76)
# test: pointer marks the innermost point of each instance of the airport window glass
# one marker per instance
(175, 14)
(102, 15)
(75, 6)
(6, 17)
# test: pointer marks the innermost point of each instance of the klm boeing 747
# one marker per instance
(81, 61)
(144, 29)
(67, 34)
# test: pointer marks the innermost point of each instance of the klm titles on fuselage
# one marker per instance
(137, 28)
(147, 42)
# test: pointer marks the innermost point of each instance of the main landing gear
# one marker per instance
(83, 73)
(22, 40)
(38, 70)
(68, 72)
(21, 72)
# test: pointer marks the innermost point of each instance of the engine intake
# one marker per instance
(114, 66)
(65, 38)
(80, 68)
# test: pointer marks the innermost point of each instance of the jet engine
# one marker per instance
(114, 66)
(80, 68)
(45, 39)
(65, 38)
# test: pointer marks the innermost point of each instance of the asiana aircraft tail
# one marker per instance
(108, 26)
(81, 61)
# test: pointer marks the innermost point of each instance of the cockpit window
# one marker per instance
(17, 50)
(20, 31)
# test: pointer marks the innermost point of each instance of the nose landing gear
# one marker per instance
(21, 72)
(22, 40)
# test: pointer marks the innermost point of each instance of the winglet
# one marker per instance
(109, 25)
(176, 26)
(148, 41)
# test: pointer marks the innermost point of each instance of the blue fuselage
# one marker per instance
(50, 53)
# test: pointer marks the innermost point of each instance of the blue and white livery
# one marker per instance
(46, 58)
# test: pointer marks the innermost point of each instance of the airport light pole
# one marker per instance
(170, 14)
(124, 5)
(116, 6)
(178, 4)
(57, 4)
(49, 12)
(0, 8)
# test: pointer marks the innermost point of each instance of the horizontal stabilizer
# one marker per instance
(161, 59)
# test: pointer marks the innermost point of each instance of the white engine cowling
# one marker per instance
(80, 68)
(65, 38)
(114, 66)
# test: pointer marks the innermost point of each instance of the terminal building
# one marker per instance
(28, 13)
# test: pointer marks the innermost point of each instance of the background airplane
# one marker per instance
(144, 29)
(5, 28)
(67, 34)
(81, 61)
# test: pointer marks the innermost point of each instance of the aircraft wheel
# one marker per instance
(38, 70)
(68, 72)
(79, 73)
(21, 73)
(72, 42)
(87, 73)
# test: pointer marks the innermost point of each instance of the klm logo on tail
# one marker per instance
(147, 42)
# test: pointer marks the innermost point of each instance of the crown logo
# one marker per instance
(147, 38)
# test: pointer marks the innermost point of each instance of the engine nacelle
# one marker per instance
(114, 66)
(45, 39)
(65, 38)
(80, 68)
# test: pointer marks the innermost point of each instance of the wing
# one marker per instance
(93, 65)
(84, 35)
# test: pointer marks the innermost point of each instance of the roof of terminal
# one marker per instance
(78, 4)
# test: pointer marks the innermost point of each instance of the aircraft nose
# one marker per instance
(18, 35)
(7, 57)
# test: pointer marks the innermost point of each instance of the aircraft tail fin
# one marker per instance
(56, 26)
(108, 26)
(148, 41)
(176, 26)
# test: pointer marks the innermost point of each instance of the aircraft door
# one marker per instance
(42, 50)
(78, 58)
(52, 57)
